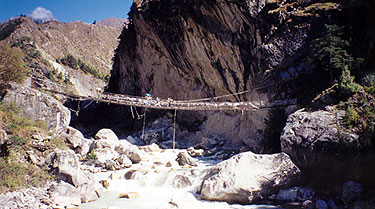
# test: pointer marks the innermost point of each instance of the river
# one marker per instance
(152, 184)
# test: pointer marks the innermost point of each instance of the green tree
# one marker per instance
(12, 67)
(330, 52)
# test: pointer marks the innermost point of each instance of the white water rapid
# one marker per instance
(150, 184)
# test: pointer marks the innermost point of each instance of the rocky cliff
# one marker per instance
(198, 49)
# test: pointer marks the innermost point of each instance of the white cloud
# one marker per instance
(41, 15)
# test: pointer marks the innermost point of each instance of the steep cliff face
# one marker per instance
(197, 49)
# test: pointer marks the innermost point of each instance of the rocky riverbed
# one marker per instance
(106, 172)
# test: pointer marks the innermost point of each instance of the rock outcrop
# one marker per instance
(39, 106)
(198, 49)
(319, 145)
(112, 153)
(78, 142)
(68, 169)
(64, 194)
(248, 177)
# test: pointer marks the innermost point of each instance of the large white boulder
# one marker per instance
(131, 151)
(247, 177)
(64, 194)
(106, 134)
(77, 141)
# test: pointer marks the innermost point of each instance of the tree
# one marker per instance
(12, 67)
(330, 52)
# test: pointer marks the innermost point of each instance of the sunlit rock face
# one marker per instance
(198, 49)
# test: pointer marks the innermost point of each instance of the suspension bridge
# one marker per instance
(206, 104)
(148, 102)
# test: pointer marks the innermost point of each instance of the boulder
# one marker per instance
(38, 105)
(295, 194)
(320, 146)
(73, 136)
(332, 204)
(308, 204)
(131, 151)
(195, 152)
(321, 204)
(64, 194)
(129, 195)
(124, 161)
(84, 147)
(351, 191)
(88, 191)
(151, 148)
(100, 144)
(181, 201)
(103, 155)
(183, 158)
(68, 168)
(180, 181)
(78, 142)
(104, 183)
(106, 134)
(134, 140)
(247, 177)
(111, 165)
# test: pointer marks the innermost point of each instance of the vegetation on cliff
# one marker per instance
(22, 141)
(76, 64)
(12, 67)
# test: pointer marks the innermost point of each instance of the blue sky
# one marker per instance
(68, 10)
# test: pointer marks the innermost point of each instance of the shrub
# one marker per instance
(27, 46)
(12, 67)
(91, 155)
(347, 85)
(330, 52)
(351, 116)
(16, 175)
(74, 63)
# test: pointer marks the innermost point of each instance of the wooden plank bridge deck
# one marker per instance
(170, 104)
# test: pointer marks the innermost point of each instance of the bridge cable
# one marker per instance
(174, 130)
(144, 124)
(131, 109)
(87, 104)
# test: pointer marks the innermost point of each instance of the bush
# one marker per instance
(347, 85)
(74, 63)
(27, 46)
(16, 175)
(70, 61)
(351, 116)
(12, 67)
(91, 155)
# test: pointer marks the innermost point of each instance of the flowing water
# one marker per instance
(153, 184)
